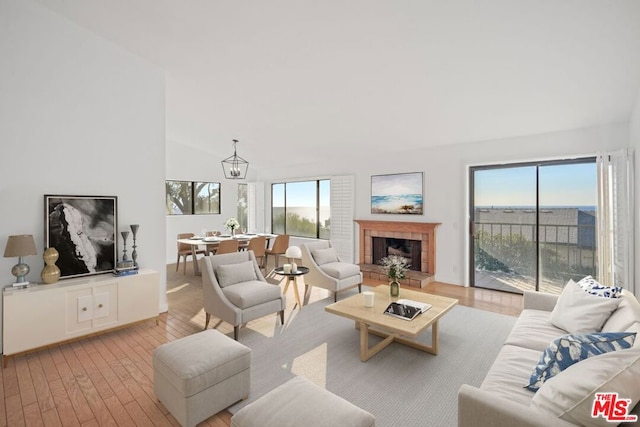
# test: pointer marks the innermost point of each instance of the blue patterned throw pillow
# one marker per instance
(566, 350)
(591, 286)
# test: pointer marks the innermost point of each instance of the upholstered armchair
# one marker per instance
(326, 270)
(234, 290)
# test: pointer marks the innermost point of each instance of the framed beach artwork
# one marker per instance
(399, 193)
(83, 230)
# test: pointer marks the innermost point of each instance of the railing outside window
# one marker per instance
(566, 251)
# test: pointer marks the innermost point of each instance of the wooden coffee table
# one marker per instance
(372, 320)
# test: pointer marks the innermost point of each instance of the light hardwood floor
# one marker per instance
(107, 379)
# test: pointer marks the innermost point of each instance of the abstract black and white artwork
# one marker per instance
(83, 230)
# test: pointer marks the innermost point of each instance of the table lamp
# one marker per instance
(21, 245)
(291, 253)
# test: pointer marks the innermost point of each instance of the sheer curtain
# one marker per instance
(615, 219)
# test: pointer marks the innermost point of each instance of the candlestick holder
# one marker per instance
(134, 254)
(124, 234)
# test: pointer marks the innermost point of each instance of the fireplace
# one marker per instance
(414, 240)
(405, 248)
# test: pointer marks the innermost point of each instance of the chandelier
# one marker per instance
(235, 167)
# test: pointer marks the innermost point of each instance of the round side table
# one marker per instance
(292, 277)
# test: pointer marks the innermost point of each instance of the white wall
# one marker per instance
(634, 138)
(187, 163)
(78, 116)
(446, 179)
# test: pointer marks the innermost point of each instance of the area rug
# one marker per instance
(399, 385)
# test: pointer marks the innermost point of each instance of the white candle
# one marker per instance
(368, 298)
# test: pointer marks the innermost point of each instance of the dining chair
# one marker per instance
(211, 249)
(258, 245)
(243, 243)
(279, 247)
(184, 250)
(227, 246)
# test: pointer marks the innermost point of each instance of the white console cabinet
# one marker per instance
(47, 314)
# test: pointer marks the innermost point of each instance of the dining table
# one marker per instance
(213, 241)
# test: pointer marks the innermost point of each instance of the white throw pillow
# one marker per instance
(324, 256)
(570, 394)
(578, 312)
(230, 274)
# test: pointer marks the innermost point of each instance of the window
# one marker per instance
(179, 199)
(533, 224)
(190, 197)
(301, 208)
(207, 197)
(243, 206)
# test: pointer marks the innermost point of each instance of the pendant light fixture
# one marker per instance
(235, 167)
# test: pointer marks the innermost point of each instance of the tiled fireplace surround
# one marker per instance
(423, 231)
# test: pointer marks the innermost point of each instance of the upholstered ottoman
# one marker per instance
(299, 402)
(197, 376)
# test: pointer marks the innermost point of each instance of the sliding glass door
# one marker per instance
(533, 225)
(504, 232)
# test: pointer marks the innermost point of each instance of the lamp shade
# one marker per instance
(293, 252)
(20, 245)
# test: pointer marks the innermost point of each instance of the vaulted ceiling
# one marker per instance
(311, 78)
